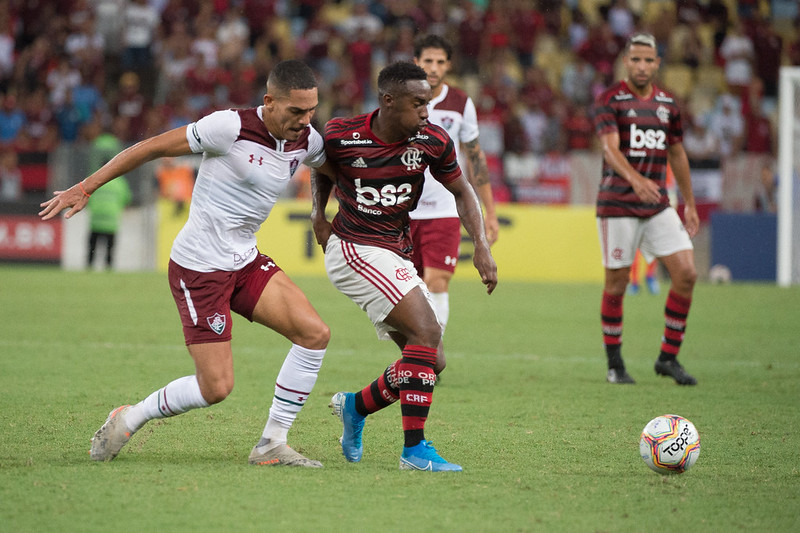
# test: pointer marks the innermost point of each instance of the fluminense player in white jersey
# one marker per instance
(435, 226)
(249, 156)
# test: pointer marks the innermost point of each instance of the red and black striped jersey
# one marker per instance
(646, 127)
(377, 184)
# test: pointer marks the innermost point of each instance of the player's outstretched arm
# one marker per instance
(321, 187)
(172, 143)
(469, 211)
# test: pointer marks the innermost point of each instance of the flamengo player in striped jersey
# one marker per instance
(377, 162)
(435, 228)
(249, 156)
(640, 131)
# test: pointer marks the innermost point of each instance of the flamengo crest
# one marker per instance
(412, 159)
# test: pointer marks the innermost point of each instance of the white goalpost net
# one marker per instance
(788, 178)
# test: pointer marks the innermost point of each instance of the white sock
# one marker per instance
(292, 388)
(175, 398)
(441, 303)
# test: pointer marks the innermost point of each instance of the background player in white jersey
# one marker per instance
(435, 227)
(640, 130)
(249, 156)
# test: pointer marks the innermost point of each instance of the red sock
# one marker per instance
(611, 321)
(415, 378)
(675, 313)
(381, 393)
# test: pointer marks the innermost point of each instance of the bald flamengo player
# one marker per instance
(640, 130)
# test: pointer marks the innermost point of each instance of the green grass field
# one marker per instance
(545, 443)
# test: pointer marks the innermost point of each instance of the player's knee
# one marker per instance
(431, 333)
(314, 336)
(217, 391)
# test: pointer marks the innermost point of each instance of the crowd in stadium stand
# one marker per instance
(533, 67)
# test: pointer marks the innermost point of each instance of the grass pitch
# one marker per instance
(545, 443)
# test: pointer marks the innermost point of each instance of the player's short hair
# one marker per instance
(641, 38)
(392, 78)
(291, 74)
(432, 41)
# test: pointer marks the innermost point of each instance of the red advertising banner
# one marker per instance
(27, 238)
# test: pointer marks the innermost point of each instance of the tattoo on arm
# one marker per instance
(478, 171)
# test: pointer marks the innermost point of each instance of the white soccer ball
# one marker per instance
(669, 444)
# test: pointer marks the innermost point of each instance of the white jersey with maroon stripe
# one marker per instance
(455, 112)
(243, 173)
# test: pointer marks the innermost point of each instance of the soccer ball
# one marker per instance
(670, 444)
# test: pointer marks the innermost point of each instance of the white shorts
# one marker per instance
(375, 278)
(658, 236)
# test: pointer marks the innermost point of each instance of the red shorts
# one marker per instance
(436, 243)
(205, 299)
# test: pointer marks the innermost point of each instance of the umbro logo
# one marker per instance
(359, 163)
(631, 113)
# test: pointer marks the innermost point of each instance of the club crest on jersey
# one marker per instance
(293, 164)
(663, 114)
(402, 274)
(412, 159)
(216, 323)
(447, 123)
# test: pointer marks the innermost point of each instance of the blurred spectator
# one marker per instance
(768, 50)
(85, 44)
(760, 137)
(700, 142)
(728, 122)
(7, 55)
(793, 49)
(534, 121)
(526, 24)
(233, 36)
(205, 45)
(12, 118)
(317, 44)
(132, 105)
(260, 14)
(361, 23)
(359, 54)
(40, 133)
(579, 129)
(346, 94)
(401, 46)
(32, 64)
(621, 19)
(765, 199)
(69, 118)
(686, 46)
(10, 177)
(601, 50)
(470, 32)
(61, 80)
(738, 53)
(174, 60)
(141, 21)
(201, 83)
(109, 23)
(576, 81)
(578, 29)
